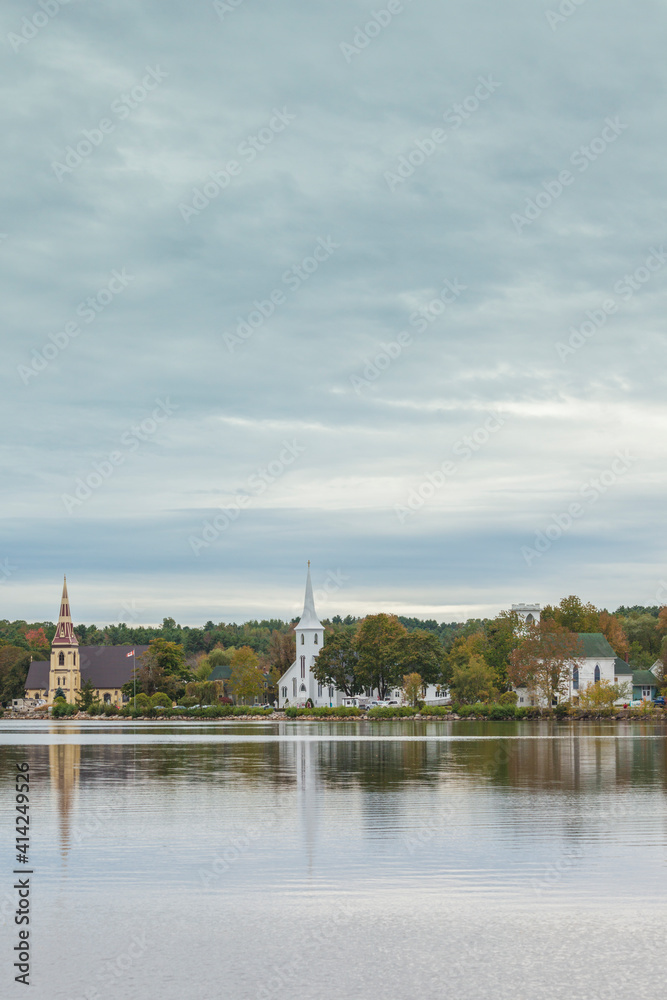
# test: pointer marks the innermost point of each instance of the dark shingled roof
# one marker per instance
(105, 666)
(645, 677)
(596, 644)
(220, 673)
(621, 667)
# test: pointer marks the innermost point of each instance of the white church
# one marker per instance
(298, 685)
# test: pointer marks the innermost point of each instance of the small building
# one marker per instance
(598, 662)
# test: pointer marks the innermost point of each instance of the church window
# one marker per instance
(303, 638)
(529, 618)
(74, 658)
(319, 690)
(597, 673)
(284, 692)
(61, 659)
(294, 687)
(303, 666)
(315, 638)
(331, 692)
(575, 678)
(303, 688)
(107, 699)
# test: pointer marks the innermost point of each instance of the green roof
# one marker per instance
(621, 667)
(595, 644)
(645, 677)
(220, 673)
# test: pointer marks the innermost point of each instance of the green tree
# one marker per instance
(282, 651)
(379, 643)
(501, 636)
(472, 681)
(337, 662)
(162, 665)
(14, 665)
(422, 653)
(86, 696)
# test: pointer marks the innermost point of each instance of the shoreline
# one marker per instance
(627, 715)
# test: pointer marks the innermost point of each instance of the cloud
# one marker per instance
(220, 83)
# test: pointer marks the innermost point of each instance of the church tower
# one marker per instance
(65, 668)
(309, 640)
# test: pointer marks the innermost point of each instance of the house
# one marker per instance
(70, 667)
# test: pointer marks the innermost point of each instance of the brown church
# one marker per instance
(107, 667)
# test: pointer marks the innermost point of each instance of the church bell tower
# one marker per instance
(65, 668)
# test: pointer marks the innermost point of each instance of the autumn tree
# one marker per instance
(543, 661)
(380, 642)
(412, 688)
(337, 663)
(282, 651)
(603, 695)
(37, 640)
(472, 681)
(248, 681)
(612, 628)
(573, 615)
(14, 665)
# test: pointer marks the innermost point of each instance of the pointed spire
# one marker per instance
(309, 617)
(65, 630)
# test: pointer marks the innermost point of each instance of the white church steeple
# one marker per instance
(309, 617)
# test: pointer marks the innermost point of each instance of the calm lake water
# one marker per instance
(340, 860)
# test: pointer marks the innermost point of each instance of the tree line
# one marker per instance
(474, 658)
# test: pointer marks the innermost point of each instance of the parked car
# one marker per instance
(659, 701)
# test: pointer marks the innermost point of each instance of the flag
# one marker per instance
(131, 653)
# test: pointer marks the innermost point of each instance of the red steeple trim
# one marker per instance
(65, 630)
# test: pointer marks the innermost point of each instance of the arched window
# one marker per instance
(303, 666)
(529, 618)
(303, 638)
(74, 658)
(575, 678)
(597, 673)
(61, 659)
(294, 687)
(315, 638)
(319, 690)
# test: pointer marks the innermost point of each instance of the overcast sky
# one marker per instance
(379, 286)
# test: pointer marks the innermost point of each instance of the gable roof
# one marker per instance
(105, 666)
(595, 644)
(644, 677)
